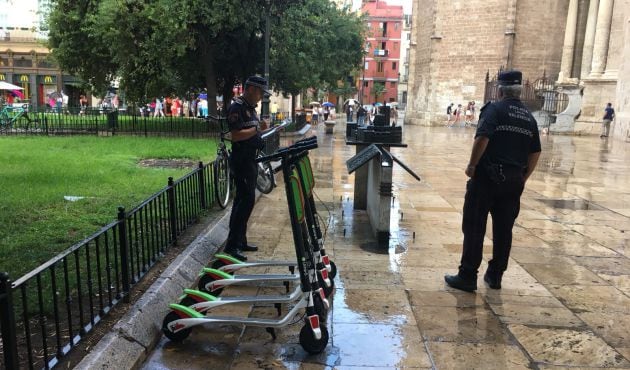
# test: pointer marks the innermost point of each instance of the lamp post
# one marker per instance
(265, 101)
(367, 49)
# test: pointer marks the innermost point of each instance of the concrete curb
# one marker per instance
(137, 332)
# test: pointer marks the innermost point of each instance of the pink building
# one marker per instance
(383, 44)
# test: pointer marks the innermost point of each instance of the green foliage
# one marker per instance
(157, 47)
(36, 222)
(378, 89)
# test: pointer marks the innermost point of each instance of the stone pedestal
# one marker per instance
(330, 125)
(565, 120)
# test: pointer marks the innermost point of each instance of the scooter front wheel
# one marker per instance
(175, 337)
(320, 308)
(333, 270)
(205, 280)
(311, 344)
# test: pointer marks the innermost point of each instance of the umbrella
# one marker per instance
(350, 101)
(328, 104)
(17, 93)
(392, 104)
(379, 104)
(8, 86)
(203, 96)
(313, 103)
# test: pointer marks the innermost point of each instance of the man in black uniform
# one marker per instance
(246, 129)
(504, 154)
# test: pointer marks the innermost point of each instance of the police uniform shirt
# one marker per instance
(512, 130)
(242, 115)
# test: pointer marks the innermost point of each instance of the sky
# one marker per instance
(405, 3)
(18, 13)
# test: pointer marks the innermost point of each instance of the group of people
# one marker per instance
(321, 113)
(176, 107)
(366, 116)
(454, 114)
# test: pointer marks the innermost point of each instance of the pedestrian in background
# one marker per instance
(609, 115)
(504, 154)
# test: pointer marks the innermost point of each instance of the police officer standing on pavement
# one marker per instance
(504, 154)
(246, 130)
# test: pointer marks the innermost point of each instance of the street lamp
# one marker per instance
(265, 101)
(367, 50)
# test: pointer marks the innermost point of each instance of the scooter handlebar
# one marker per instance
(285, 152)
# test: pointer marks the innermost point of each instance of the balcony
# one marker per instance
(381, 53)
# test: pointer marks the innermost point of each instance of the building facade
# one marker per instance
(583, 46)
(404, 61)
(380, 74)
(24, 57)
(455, 43)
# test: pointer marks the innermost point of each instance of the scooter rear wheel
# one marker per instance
(327, 289)
(175, 337)
(310, 343)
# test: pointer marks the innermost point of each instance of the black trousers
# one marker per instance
(244, 171)
(502, 201)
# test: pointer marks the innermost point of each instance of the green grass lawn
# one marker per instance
(36, 222)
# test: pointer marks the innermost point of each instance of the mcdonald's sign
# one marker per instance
(23, 78)
(3, 77)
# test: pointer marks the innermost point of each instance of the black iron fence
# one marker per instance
(47, 312)
(541, 97)
(105, 122)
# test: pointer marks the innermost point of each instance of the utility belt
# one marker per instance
(500, 173)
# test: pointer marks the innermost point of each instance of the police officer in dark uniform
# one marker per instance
(504, 154)
(246, 130)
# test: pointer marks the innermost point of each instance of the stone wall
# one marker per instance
(458, 42)
(621, 126)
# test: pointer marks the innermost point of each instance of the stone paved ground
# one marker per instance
(565, 300)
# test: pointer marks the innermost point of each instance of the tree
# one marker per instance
(378, 90)
(157, 47)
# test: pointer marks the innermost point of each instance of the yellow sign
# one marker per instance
(24, 78)
(48, 79)
(2, 77)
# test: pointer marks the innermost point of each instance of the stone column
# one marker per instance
(589, 39)
(602, 37)
(569, 42)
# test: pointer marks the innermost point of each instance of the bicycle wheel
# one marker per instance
(265, 180)
(222, 180)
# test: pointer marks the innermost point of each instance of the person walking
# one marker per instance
(246, 129)
(394, 114)
(504, 154)
(449, 113)
(609, 115)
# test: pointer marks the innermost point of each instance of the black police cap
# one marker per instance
(512, 77)
(258, 81)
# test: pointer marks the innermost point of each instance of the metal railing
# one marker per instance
(97, 121)
(47, 312)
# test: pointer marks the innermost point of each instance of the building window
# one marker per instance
(23, 62)
(392, 84)
(366, 65)
(4, 62)
(408, 35)
(379, 67)
(395, 46)
(384, 45)
(396, 25)
(366, 83)
(394, 65)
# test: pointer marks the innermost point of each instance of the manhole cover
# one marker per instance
(573, 204)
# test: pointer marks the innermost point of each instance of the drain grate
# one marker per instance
(573, 204)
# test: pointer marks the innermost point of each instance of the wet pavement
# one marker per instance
(565, 301)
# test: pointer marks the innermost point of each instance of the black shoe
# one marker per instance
(457, 282)
(249, 248)
(493, 280)
(236, 253)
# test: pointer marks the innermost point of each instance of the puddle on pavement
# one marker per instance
(572, 204)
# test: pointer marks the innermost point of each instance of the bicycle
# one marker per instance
(9, 117)
(222, 176)
(266, 180)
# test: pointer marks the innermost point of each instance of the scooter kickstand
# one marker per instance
(271, 331)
